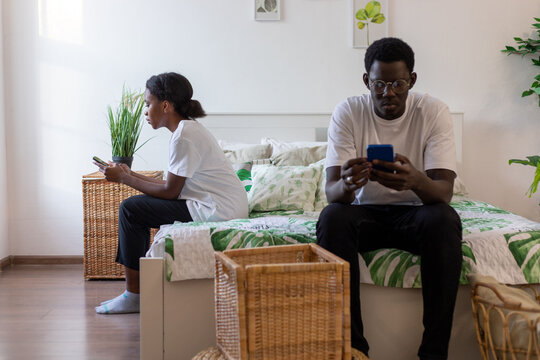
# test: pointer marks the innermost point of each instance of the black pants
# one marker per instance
(136, 216)
(431, 231)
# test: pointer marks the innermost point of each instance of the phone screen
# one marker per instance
(99, 161)
(383, 152)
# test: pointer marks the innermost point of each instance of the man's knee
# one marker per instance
(442, 227)
(333, 215)
(441, 217)
(130, 205)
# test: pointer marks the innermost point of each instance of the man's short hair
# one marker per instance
(389, 50)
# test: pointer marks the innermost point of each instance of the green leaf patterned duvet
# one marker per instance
(495, 242)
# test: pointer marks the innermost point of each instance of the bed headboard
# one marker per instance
(251, 127)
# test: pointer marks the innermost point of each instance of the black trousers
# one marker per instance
(137, 215)
(432, 231)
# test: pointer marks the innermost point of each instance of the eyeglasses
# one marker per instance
(398, 86)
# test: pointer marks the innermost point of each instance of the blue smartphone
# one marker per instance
(383, 152)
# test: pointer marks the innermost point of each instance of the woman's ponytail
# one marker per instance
(194, 110)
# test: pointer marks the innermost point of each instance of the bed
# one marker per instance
(177, 315)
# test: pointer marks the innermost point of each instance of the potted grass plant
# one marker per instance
(125, 124)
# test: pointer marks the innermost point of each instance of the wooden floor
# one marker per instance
(47, 312)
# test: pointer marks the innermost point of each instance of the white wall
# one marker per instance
(64, 61)
(4, 243)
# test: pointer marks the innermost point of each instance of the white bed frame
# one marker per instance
(177, 318)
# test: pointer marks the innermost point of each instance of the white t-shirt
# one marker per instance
(424, 134)
(212, 190)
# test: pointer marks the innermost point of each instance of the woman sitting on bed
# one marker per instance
(200, 186)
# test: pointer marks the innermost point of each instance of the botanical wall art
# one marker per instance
(370, 21)
(267, 9)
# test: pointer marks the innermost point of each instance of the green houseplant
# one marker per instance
(531, 161)
(125, 124)
(372, 12)
(529, 47)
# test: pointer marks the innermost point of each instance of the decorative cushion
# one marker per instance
(248, 153)
(516, 321)
(279, 146)
(243, 171)
(320, 194)
(459, 187)
(283, 187)
(300, 156)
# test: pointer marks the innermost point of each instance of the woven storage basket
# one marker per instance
(101, 201)
(282, 302)
(506, 331)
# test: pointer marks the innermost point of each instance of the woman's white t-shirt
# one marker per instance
(424, 134)
(212, 190)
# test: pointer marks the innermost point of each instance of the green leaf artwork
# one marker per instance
(524, 246)
(370, 14)
(528, 46)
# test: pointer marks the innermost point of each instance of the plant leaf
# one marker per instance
(362, 14)
(527, 93)
(361, 25)
(373, 8)
(519, 161)
(378, 19)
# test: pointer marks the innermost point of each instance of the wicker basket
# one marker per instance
(282, 302)
(515, 336)
(101, 201)
(212, 353)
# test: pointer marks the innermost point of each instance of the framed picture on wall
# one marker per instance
(369, 22)
(267, 9)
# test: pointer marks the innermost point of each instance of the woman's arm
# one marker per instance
(169, 189)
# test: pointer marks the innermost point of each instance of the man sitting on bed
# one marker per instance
(406, 208)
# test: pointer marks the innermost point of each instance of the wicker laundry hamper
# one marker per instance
(506, 329)
(212, 353)
(282, 302)
(101, 201)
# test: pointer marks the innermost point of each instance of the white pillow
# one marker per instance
(283, 187)
(517, 322)
(279, 146)
(233, 145)
(459, 187)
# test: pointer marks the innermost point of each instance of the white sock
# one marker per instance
(108, 301)
(128, 302)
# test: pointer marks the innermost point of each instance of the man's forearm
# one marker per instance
(147, 178)
(336, 192)
(434, 191)
(152, 188)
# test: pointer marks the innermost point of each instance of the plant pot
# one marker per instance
(123, 160)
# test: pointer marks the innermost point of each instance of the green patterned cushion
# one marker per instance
(283, 188)
(300, 156)
(320, 194)
(243, 171)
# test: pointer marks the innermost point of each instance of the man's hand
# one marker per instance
(434, 186)
(115, 172)
(404, 177)
(355, 173)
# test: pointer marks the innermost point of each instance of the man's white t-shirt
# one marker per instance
(424, 134)
(212, 190)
